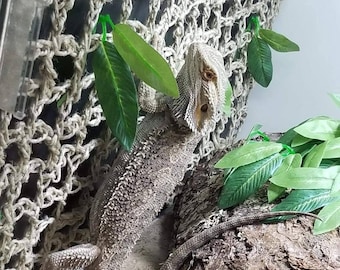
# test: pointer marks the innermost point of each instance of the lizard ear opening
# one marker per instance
(204, 108)
(203, 111)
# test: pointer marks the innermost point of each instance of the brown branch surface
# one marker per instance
(287, 245)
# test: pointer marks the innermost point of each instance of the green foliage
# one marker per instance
(247, 179)
(336, 98)
(116, 92)
(260, 61)
(329, 218)
(256, 132)
(259, 55)
(248, 153)
(306, 178)
(305, 200)
(309, 172)
(277, 41)
(144, 60)
(299, 140)
(291, 161)
(332, 148)
(114, 82)
(315, 156)
(227, 100)
(61, 101)
(319, 128)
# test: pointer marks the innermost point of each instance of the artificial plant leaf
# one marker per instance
(306, 178)
(260, 61)
(332, 149)
(227, 102)
(144, 60)
(314, 157)
(291, 161)
(330, 218)
(287, 137)
(305, 200)
(306, 148)
(277, 41)
(299, 140)
(320, 128)
(116, 92)
(336, 98)
(274, 192)
(336, 185)
(254, 132)
(247, 179)
(248, 153)
(61, 101)
(326, 163)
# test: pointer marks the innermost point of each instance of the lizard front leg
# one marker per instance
(151, 101)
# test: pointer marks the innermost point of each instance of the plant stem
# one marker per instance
(105, 19)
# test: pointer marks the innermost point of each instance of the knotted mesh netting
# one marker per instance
(51, 160)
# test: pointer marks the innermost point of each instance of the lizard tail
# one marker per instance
(177, 258)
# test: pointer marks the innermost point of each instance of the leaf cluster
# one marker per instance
(112, 64)
(302, 167)
(259, 54)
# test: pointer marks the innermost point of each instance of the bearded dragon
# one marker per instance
(142, 180)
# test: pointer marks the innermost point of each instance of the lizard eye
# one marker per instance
(208, 75)
(204, 108)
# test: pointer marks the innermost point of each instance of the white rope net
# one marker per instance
(50, 160)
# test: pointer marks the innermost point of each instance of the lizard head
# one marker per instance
(202, 81)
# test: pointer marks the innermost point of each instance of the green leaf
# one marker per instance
(330, 218)
(320, 128)
(144, 60)
(306, 148)
(277, 41)
(306, 178)
(326, 163)
(306, 200)
(336, 184)
(247, 179)
(254, 132)
(274, 192)
(287, 137)
(299, 140)
(116, 92)
(248, 153)
(291, 161)
(336, 98)
(332, 149)
(227, 102)
(314, 157)
(260, 61)
(61, 101)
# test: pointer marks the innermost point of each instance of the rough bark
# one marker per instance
(287, 245)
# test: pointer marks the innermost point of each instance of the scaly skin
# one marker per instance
(177, 258)
(141, 181)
